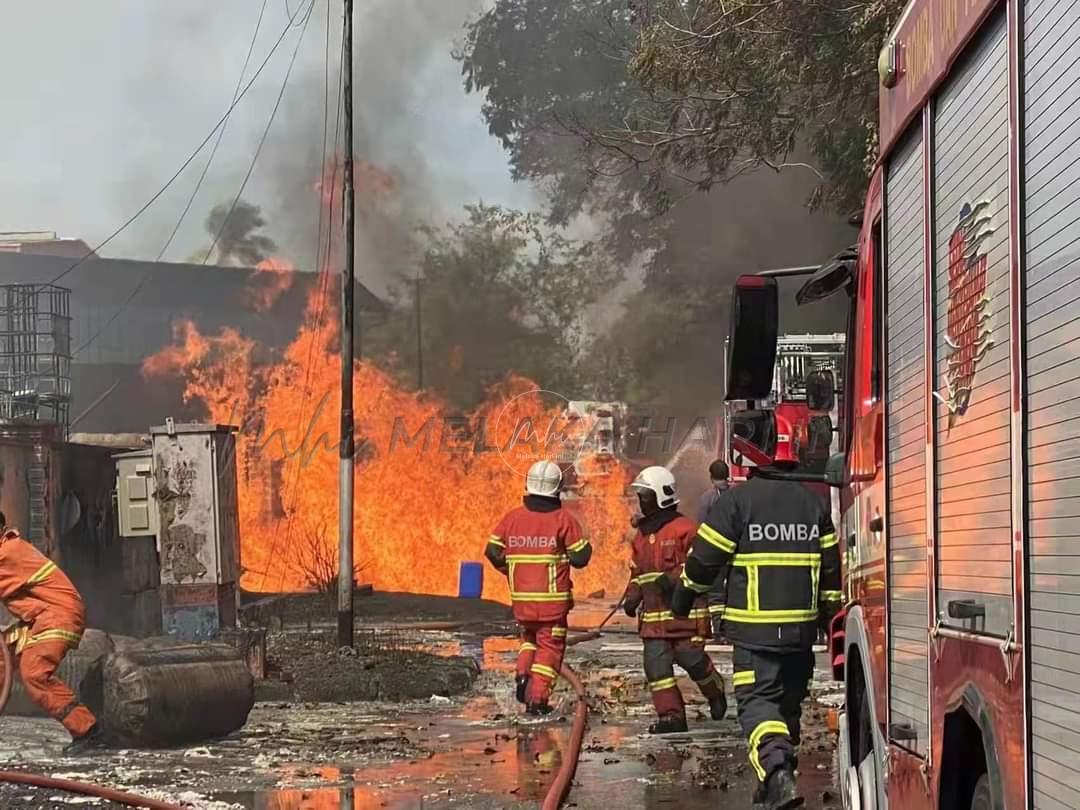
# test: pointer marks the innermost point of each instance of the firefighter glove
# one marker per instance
(630, 606)
(682, 600)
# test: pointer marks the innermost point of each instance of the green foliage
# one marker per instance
(498, 292)
(602, 95)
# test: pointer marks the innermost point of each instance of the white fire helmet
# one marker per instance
(543, 478)
(661, 482)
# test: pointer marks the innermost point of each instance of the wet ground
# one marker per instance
(470, 751)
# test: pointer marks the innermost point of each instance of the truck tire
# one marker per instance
(981, 798)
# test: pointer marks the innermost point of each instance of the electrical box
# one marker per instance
(194, 470)
(136, 507)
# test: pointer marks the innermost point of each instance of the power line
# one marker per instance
(266, 133)
(324, 272)
(220, 136)
(183, 166)
(198, 185)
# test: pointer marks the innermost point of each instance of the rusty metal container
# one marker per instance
(159, 692)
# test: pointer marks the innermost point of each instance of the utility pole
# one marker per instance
(347, 446)
(419, 340)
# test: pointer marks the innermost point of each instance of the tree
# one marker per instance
(499, 293)
(654, 94)
(234, 236)
(315, 556)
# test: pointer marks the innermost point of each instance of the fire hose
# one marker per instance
(7, 677)
(561, 785)
(84, 789)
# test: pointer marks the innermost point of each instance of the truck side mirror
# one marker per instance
(752, 341)
(753, 436)
(820, 390)
(836, 470)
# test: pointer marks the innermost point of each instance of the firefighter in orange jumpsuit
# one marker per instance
(535, 545)
(663, 540)
(51, 621)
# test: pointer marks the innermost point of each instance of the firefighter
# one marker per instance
(719, 477)
(776, 541)
(659, 550)
(51, 619)
(535, 545)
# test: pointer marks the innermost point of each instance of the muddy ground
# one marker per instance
(472, 750)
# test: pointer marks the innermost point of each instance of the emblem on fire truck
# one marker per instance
(968, 331)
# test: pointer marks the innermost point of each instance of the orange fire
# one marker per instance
(271, 278)
(429, 489)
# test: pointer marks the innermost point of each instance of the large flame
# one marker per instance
(271, 278)
(429, 488)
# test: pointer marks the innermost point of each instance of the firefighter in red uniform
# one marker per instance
(660, 547)
(51, 621)
(535, 545)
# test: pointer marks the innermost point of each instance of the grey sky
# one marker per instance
(104, 100)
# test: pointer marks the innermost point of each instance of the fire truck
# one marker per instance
(959, 422)
(799, 359)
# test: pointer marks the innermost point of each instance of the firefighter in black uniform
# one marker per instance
(775, 542)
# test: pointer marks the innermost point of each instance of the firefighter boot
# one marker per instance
(718, 707)
(93, 739)
(539, 709)
(669, 724)
(781, 792)
(758, 802)
(521, 684)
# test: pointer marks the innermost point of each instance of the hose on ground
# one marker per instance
(561, 785)
(84, 789)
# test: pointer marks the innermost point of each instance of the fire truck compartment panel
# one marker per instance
(971, 311)
(905, 394)
(1051, 87)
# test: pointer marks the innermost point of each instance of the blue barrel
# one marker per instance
(471, 580)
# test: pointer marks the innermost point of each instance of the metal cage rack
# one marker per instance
(35, 354)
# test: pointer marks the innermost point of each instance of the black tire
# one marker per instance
(981, 798)
(7, 673)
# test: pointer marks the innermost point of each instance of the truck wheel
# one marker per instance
(981, 799)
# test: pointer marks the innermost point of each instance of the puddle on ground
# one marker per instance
(488, 765)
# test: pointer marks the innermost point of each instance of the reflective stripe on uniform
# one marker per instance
(495, 540)
(716, 609)
(558, 632)
(662, 684)
(657, 616)
(699, 613)
(712, 678)
(579, 545)
(793, 560)
(828, 540)
(42, 573)
(527, 646)
(769, 616)
(694, 586)
(760, 730)
(697, 640)
(753, 602)
(72, 639)
(545, 671)
(539, 597)
(743, 678)
(645, 579)
(831, 596)
(714, 538)
(537, 558)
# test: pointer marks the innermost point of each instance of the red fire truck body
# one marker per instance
(959, 493)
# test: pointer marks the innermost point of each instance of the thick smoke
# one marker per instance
(111, 101)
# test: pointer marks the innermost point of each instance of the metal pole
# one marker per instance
(347, 445)
(419, 341)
